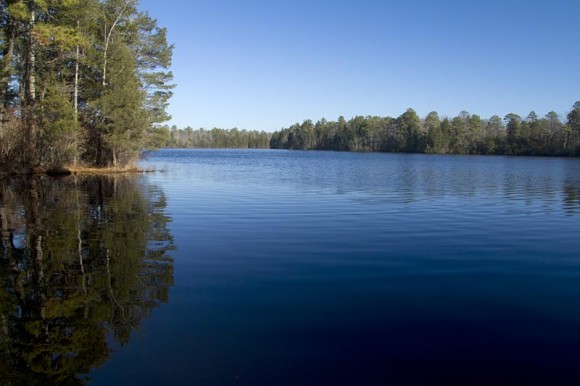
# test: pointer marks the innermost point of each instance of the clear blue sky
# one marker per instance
(266, 64)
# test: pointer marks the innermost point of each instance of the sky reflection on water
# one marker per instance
(318, 268)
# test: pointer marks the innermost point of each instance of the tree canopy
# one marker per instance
(214, 138)
(464, 134)
(80, 81)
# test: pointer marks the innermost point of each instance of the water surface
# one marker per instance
(324, 268)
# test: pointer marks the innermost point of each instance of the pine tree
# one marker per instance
(80, 80)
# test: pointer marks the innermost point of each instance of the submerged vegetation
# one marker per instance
(463, 134)
(81, 82)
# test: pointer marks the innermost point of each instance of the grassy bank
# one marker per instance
(105, 170)
(79, 170)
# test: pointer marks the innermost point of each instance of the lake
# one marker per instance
(272, 267)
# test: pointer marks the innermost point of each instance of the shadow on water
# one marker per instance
(82, 262)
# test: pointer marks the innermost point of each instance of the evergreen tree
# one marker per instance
(513, 130)
(80, 80)
(434, 134)
(464, 134)
(574, 129)
(122, 117)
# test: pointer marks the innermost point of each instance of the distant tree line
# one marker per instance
(81, 81)
(464, 134)
(216, 138)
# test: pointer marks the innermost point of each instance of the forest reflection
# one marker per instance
(82, 262)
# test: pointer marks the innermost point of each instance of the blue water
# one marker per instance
(324, 268)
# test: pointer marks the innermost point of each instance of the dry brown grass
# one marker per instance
(108, 170)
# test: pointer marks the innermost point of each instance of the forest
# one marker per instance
(87, 82)
(82, 82)
(464, 134)
(215, 138)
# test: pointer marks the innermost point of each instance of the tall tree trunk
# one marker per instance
(30, 95)
(108, 36)
(76, 83)
(30, 78)
(76, 101)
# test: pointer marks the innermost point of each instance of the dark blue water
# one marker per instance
(322, 268)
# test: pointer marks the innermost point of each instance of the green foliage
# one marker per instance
(58, 131)
(216, 138)
(462, 134)
(18, 11)
(573, 128)
(88, 78)
(410, 126)
(63, 37)
(158, 137)
(121, 115)
(153, 53)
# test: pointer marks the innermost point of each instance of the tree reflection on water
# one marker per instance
(81, 260)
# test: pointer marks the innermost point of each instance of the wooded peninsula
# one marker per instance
(82, 82)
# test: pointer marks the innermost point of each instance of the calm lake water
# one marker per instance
(259, 267)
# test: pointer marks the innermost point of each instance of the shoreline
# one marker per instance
(101, 170)
(75, 170)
